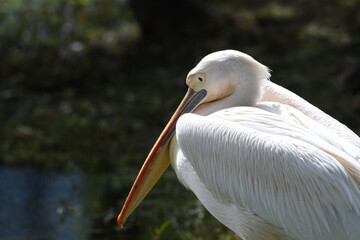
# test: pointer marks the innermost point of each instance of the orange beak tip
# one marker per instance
(120, 221)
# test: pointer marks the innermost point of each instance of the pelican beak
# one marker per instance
(158, 159)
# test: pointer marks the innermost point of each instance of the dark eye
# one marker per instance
(200, 79)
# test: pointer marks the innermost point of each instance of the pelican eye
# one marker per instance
(200, 79)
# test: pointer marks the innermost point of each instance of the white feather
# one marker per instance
(287, 183)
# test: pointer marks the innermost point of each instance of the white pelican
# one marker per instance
(262, 160)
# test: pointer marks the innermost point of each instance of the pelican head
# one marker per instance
(224, 72)
(220, 79)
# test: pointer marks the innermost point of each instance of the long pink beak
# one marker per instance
(158, 159)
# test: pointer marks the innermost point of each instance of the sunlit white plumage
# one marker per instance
(270, 165)
(262, 160)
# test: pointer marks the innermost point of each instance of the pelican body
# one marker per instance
(262, 160)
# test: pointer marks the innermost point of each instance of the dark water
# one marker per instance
(47, 205)
(41, 205)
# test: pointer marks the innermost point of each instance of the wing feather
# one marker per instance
(275, 166)
(275, 93)
(288, 121)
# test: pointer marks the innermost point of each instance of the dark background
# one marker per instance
(86, 87)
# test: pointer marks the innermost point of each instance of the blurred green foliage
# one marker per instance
(54, 23)
(88, 85)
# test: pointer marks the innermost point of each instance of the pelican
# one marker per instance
(262, 160)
